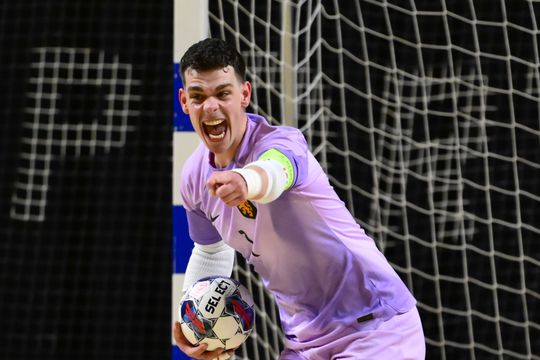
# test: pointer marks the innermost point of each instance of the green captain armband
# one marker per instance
(274, 154)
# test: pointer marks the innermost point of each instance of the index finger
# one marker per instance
(212, 188)
(214, 181)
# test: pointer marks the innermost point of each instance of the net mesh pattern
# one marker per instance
(85, 144)
(425, 114)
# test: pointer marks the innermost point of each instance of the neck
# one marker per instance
(222, 161)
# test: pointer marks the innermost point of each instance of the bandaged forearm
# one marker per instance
(269, 185)
(209, 260)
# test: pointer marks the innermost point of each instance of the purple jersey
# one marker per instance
(311, 254)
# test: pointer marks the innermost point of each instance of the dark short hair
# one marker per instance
(211, 54)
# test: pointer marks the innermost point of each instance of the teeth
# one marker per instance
(217, 137)
(212, 122)
(208, 124)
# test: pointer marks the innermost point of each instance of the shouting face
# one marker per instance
(216, 102)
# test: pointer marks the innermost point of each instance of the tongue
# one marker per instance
(216, 130)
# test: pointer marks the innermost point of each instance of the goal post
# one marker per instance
(190, 25)
(288, 88)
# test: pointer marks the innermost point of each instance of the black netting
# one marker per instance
(85, 225)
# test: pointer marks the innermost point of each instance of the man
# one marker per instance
(257, 189)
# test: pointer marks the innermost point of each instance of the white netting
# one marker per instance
(61, 79)
(426, 116)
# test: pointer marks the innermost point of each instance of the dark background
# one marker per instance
(93, 279)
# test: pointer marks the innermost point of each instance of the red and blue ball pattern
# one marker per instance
(218, 311)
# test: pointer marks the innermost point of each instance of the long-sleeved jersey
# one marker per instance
(316, 260)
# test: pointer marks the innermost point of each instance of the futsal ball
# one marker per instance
(218, 311)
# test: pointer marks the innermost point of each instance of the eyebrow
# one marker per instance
(218, 88)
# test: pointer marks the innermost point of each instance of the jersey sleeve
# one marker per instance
(200, 227)
(289, 148)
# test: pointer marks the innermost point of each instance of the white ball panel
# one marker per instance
(223, 286)
(235, 341)
(198, 289)
(212, 302)
(211, 305)
(225, 327)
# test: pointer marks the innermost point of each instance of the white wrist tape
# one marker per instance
(209, 260)
(277, 179)
(253, 181)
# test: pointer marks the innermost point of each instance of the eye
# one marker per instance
(196, 97)
(223, 94)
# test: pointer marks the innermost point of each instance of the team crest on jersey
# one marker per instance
(248, 209)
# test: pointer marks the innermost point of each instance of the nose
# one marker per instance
(211, 105)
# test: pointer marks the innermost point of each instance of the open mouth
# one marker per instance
(215, 129)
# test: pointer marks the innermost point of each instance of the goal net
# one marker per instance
(425, 115)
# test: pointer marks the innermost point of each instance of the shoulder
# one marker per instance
(266, 136)
(283, 143)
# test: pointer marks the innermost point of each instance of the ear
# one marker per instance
(183, 101)
(246, 94)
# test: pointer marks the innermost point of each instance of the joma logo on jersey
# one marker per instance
(248, 209)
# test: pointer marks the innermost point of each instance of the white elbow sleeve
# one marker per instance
(277, 179)
(209, 260)
(274, 167)
(253, 181)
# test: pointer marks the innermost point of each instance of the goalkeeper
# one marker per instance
(256, 189)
